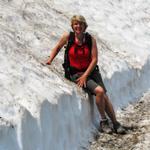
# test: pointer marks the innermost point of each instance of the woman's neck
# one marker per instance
(79, 37)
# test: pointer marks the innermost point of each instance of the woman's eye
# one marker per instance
(76, 23)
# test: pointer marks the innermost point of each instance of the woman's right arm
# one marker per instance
(63, 40)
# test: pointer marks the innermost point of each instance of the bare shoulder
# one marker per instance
(65, 36)
(63, 40)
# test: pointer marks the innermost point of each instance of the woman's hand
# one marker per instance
(81, 81)
(48, 62)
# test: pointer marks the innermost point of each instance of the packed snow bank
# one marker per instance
(39, 109)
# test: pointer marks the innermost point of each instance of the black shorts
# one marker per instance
(94, 80)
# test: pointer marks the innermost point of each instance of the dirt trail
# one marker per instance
(136, 118)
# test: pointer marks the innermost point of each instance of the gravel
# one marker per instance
(136, 119)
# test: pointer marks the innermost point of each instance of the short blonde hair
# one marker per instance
(79, 18)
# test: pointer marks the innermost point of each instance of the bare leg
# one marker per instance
(101, 104)
(104, 105)
(100, 101)
(109, 109)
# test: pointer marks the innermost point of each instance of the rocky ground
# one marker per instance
(136, 118)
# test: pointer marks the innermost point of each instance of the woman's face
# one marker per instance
(78, 27)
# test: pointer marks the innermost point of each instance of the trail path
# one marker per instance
(137, 118)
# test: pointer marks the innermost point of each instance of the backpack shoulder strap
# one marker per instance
(88, 40)
(70, 40)
(66, 64)
(69, 44)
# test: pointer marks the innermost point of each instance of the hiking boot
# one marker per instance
(104, 127)
(119, 128)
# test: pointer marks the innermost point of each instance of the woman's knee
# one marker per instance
(99, 91)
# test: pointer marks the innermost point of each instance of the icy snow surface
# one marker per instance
(39, 109)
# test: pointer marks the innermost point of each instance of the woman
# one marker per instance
(84, 73)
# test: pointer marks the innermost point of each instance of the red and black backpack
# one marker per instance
(66, 64)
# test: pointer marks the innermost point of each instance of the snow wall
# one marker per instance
(39, 109)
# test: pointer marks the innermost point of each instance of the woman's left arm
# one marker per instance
(94, 58)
